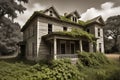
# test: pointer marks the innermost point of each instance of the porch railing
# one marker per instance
(61, 56)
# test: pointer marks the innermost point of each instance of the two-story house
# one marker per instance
(41, 42)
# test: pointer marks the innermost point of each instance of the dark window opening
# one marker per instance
(98, 32)
(74, 19)
(72, 48)
(85, 45)
(49, 28)
(64, 28)
(100, 47)
(51, 13)
(88, 30)
(62, 48)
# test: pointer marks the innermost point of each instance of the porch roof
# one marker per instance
(61, 35)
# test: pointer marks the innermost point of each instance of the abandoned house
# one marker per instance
(45, 35)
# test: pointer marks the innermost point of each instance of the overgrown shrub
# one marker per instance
(55, 70)
(114, 75)
(92, 59)
(59, 70)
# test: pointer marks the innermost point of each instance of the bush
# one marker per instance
(114, 75)
(55, 70)
(92, 59)
(58, 70)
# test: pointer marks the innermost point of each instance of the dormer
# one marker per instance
(51, 12)
(97, 20)
(74, 16)
(95, 26)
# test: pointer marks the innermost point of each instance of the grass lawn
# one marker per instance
(103, 72)
(14, 69)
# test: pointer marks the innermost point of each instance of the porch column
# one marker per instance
(55, 48)
(80, 43)
(91, 47)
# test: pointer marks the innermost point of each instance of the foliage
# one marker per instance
(55, 70)
(77, 33)
(82, 23)
(9, 30)
(65, 19)
(69, 20)
(103, 72)
(59, 70)
(112, 29)
(115, 75)
(97, 67)
(92, 59)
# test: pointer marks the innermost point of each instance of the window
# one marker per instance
(100, 46)
(74, 19)
(88, 30)
(62, 47)
(51, 13)
(72, 48)
(98, 32)
(64, 28)
(49, 28)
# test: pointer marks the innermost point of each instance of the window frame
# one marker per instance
(65, 28)
(74, 19)
(72, 49)
(51, 13)
(50, 28)
(99, 33)
(63, 42)
(100, 47)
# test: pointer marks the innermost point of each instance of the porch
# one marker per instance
(65, 46)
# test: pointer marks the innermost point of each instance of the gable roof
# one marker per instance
(55, 11)
(98, 20)
(40, 13)
(64, 19)
(74, 12)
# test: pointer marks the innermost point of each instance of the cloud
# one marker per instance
(107, 10)
(22, 18)
(107, 5)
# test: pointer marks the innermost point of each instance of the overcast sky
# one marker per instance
(87, 9)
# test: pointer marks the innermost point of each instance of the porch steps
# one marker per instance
(74, 60)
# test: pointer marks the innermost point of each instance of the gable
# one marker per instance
(101, 21)
(96, 20)
(74, 13)
(51, 12)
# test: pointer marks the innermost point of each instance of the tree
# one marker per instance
(9, 30)
(112, 29)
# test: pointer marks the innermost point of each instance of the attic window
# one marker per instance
(74, 19)
(51, 13)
